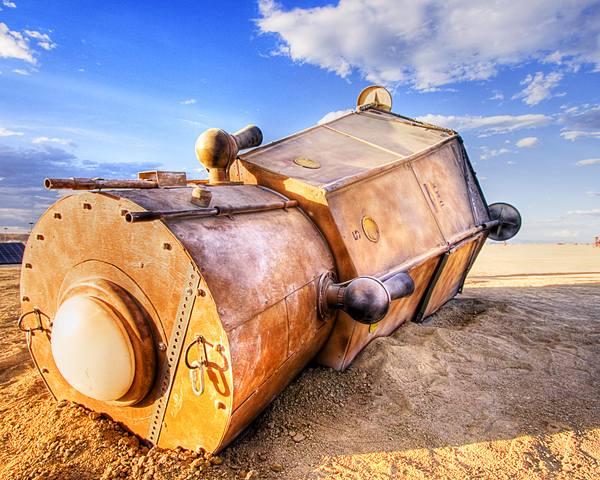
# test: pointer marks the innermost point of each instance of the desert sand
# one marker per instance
(502, 382)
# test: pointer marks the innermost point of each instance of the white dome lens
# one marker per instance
(92, 349)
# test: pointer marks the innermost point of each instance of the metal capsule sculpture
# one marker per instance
(181, 308)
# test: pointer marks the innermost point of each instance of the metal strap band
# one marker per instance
(180, 326)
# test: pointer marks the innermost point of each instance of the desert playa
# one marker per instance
(502, 382)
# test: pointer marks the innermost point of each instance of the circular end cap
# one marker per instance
(92, 349)
(511, 221)
(366, 300)
(378, 96)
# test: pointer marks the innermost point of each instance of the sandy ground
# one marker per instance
(503, 382)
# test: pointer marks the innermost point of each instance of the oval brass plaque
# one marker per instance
(307, 163)
(370, 228)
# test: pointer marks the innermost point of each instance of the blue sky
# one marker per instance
(107, 89)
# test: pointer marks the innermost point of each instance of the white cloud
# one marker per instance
(576, 135)
(594, 194)
(538, 87)
(21, 72)
(8, 4)
(187, 102)
(488, 125)
(8, 133)
(69, 142)
(581, 122)
(589, 161)
(13, 45)
(429, 43)
(497, 96)
(44, 40)
(492, 153)
(564, 233)
(510, 162)
(332, 116)
(529, 142)
(586, 213)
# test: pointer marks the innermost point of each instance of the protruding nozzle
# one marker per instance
(216, 150)
(366, 299)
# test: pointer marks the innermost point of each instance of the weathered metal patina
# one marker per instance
(181, 308)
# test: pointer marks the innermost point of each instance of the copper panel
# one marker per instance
(452, 276)
(395, 202)
(303, 321)
(245, 263)
(339, 156)
(267, 392)
(443, 183)
(388, 132)
(311, 200)
(258, 348)
(192, 420)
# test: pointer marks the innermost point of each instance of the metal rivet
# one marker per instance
(200, 293)
(28, 265)
(87, 206)
(57, 215)
(162, 347)
(166, 246)
(220, 405)
(39, 237)
(24, 299)
(45, 370)
(188, 291)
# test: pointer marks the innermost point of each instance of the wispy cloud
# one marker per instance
(489, 125)
(8, 4)
(69, 143)
(594, 194)
(585, 213)
(8, 133)
(331, 116)
(538, 87)
(22, 172)
(529, 142)
(21, 72)
(43, 39)
(187, 102)
(578, 135)
(565, 234)
(589, 161)
(492, 153)
(394, 42)
(581, 122)
(15, 45)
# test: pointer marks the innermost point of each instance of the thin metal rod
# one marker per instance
(217, 211)
(96, 183)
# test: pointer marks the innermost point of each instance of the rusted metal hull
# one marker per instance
(256, 307)
(215, 297)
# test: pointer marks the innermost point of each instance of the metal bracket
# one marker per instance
(180, 326)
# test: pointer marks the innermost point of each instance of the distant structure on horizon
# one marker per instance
(11, 253)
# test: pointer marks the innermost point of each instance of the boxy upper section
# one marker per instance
(385, 190)
(346, 147)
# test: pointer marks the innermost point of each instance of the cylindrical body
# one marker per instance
(243, 286)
